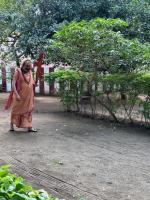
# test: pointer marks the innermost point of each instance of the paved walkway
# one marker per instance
(73, 157)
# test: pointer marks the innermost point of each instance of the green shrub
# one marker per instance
(113, 92)
(13, 187)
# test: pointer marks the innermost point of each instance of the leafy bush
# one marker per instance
(115, 93)
(13, 187)
(108, 69)
(98, 46)
(70, 86)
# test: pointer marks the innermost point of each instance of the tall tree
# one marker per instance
(26, 25)
(136, 13)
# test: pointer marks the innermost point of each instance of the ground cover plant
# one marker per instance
(13, 187)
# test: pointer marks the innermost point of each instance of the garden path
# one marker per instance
(73, 157)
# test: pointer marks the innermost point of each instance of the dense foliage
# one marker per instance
(13, 187)
(137, 14)
(97, 45)
(108, 70)
(26, 25)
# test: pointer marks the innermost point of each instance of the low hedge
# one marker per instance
(127, 93)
